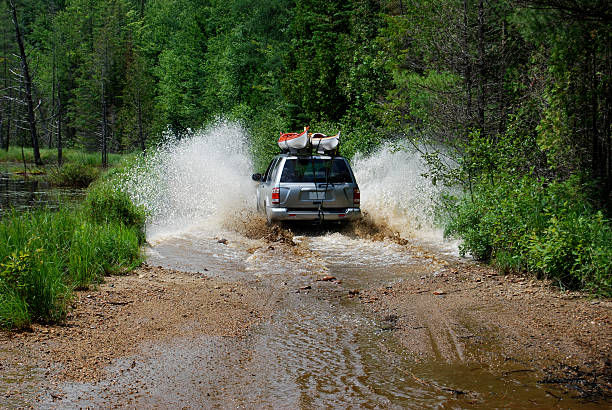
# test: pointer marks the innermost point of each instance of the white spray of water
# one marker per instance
(196, 182)
(202, 182)
(395, 192)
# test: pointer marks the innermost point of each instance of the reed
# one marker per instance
(45, 255)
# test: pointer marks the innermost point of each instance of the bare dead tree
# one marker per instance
(481, 67)
(28, 84)
(104, 110)
(59, 125)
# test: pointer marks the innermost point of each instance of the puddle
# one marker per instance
(318, 349)
(23, 195)
(20, 385)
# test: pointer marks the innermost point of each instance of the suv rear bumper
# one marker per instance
(284, 214)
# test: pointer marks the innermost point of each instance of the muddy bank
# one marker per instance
(473, 315)
(151, 305)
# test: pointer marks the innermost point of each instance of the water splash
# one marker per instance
(194, 183)
(203, 183)
(395, 193)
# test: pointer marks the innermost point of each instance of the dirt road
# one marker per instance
(314, 320)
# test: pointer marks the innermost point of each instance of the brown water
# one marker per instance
(25, 194)
(318, 349)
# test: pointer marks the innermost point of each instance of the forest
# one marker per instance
(509, 100)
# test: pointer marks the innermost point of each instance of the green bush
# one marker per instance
(105, 203)
(74, 175)
(549, 230)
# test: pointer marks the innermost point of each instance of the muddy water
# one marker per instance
(319, 348)
(23, 195)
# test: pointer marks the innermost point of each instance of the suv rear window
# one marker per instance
(310, 169)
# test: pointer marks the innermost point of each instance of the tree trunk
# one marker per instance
(467, 67)
(104, 127)
(43, 121)
(53, 107)
(10, 100)
(28, 85)
(503, 110)
(104, 110)
(141, 135)
(1, 129)
(10, 116)
(481, 68)
(608, 128)
(59, 126)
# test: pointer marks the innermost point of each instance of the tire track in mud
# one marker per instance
(344, 341)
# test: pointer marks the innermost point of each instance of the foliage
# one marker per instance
(547, 229)
(73, 175)
(44, 255)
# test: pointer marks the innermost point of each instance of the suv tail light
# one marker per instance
(275, 196)
(356, 196)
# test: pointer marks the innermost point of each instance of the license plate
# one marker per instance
(316, 195)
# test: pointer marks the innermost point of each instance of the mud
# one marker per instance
(151, 304)
(473, 314)
(306, 318)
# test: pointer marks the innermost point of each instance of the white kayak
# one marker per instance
(324, 144)
(293, 141)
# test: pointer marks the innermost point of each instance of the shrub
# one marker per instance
(548, 230)
(105, 203)
(74, 175)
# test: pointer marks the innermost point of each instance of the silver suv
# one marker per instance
(308, 188)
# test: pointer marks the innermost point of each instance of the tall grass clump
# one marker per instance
(45, 255)
(31, 270)
(75, 175)
(97, 250)
(105, 203)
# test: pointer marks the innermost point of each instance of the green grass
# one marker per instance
(49, 156)
(45, 255)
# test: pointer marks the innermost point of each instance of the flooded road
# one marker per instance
(320, 346)
(231, 313)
